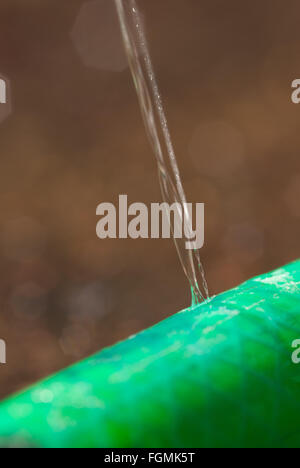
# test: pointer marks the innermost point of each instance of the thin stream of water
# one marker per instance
(158, 132)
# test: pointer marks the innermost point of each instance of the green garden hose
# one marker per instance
(217, 375)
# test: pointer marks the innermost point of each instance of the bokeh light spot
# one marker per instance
(97, 38)
(217, 149)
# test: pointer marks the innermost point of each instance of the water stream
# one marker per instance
(154, 117)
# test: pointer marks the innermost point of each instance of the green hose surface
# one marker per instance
(217, 375)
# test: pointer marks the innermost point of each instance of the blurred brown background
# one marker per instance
(75, 138)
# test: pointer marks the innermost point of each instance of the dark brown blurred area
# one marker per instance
(75, 139)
